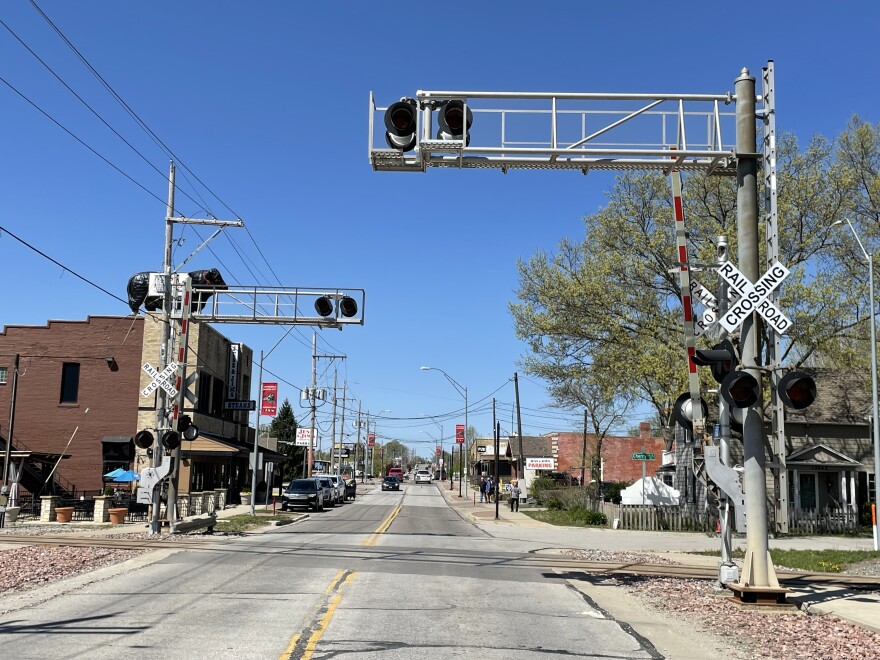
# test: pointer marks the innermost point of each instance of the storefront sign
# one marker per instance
(540, 464)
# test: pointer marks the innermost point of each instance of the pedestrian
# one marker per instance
(515, 492)
(489, 489)
(482, 488)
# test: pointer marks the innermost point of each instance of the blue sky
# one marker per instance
(267, 104)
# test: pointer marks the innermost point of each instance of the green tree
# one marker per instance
(284, 427)
(605, 312)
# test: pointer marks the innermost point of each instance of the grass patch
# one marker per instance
(816, 561)
(575, 518)
(244, 522)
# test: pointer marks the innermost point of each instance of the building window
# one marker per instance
(204, 393)
(3, 375)
(69, 382)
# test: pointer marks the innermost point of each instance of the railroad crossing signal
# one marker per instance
(160, 379)
(754, 297)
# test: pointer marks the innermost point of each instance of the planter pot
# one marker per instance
(245, 498)
(63, 514)
(117, 516)
(12, 513)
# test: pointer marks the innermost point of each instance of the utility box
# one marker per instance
(728, 573)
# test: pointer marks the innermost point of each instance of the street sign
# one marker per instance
(641, 456)
(240, 405)
(303, 437)
(754, 297)
(160, 379)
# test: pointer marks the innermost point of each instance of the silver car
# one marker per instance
(338, 488)
(328, 488)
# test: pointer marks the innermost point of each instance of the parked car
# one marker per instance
(351, 489)
(303, 493)
(390, 483)
(422, 477)
(328, 488)
(338, 488)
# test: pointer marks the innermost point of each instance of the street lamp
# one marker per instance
(462, 391)
(875, 416)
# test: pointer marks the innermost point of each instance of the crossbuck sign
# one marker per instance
(753, 297)
(160, 379)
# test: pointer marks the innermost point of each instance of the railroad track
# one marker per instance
(532, 560)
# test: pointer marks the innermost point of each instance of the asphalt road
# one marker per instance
(391, 575)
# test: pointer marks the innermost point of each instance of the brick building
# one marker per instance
(617, 463)
(76, 397)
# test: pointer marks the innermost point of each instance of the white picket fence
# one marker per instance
(825, 521)
(679, 518)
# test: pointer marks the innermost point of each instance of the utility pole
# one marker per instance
(333, 463)
(521, 468)
(341, 424)
(364, 469)
(7, 458)
(312, 394)
(584, 456)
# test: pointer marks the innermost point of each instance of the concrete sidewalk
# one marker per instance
(856, 606)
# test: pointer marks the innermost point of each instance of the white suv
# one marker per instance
(338, 488)
(423, 477)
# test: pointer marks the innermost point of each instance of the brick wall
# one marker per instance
(107, 399)
(617, 451)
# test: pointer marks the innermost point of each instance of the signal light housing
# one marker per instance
(721, 358)
(400, 120)
(682, 411)
(348, 306)
(144, 439)
(452, 122)
(186, 428)
(324, 306)
(740, 389)
(797, 389)
(171, 439)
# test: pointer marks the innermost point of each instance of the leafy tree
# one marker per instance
(605, 312)
(284, 427)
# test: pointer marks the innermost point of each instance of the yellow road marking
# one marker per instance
(290, 647)
(312, 644)
(373, 538)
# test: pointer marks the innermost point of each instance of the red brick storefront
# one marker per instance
(78, 386)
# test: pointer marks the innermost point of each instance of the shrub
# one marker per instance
(587, 517)
(538, 486)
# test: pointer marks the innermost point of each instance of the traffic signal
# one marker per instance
(143, 439)
(171, 439)
(186, 428)
(683, 413)
(400, 120)
(797, 390)
(721, 358)
(452, 122)
(347, 306)
(740, 389)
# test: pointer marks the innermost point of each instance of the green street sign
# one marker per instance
(643, 457)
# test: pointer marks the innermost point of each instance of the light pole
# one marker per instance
(875, 417)
(373, 449)
(462, 391)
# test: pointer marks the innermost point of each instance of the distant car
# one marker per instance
(351, 489)
(338, 488)
(396, 472)
(422, 477)
(390, 483)
(329, 490)
(303, 493)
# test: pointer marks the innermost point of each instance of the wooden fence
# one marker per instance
(826, 521)
(679, 518)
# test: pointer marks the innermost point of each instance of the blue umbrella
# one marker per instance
(127, 475)
(114, 473)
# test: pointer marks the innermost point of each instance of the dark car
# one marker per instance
(350, 488)
(390, 483)
(303, 493)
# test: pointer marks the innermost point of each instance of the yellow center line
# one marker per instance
(334, 583)
(373, 538)
(315, 637)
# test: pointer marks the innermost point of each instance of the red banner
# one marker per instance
(269, 399)
(371, 440)
(459, 433)
(438, 450)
